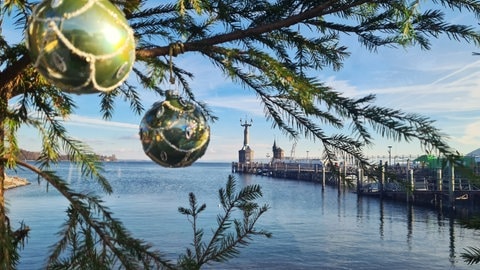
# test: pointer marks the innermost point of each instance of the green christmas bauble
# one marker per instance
(81, 46)
(174, 133)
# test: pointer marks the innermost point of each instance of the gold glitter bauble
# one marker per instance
(81, 46)
(174, 133)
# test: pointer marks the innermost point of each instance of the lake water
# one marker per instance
(312, 228)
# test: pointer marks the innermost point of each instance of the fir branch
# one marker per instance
(224, 244)
(55, 138)
(130, 252)
(471, 255)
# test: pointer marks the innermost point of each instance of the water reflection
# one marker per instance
(364, 211)
(451, 224)
(382, 209)
(322, 199)
(405, 235)
(410, 216)
(313, 227)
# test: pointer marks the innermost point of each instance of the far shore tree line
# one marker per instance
(31, 155)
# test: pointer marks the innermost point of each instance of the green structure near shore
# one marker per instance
(431, 161)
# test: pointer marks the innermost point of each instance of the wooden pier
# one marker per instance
(435, 187)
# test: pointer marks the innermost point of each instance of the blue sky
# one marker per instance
(440, 83)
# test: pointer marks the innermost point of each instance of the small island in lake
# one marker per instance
(14, 181)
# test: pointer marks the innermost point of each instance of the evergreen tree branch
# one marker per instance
(241, 34)
(471, 255)
(256, 45)
(130, 252)
(224, 244)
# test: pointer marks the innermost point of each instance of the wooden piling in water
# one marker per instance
(451, 187)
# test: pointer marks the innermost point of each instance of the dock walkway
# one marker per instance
(423, 186)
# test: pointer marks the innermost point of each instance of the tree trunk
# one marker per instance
(7, 246)
(5, 242)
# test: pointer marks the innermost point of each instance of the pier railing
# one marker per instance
(419, 178)
(428, 185)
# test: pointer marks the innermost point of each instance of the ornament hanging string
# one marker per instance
(175, 132)
(174, 50)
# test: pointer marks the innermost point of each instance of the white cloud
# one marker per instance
(342, 86)
(469, 69)
(98, 123)
(445, 89)
(246, 103)
(471, 135)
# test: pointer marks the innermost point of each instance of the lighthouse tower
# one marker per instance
(245, 155)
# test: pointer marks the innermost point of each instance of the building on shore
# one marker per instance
(278, 153)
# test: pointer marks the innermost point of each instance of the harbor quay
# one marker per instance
(433, 187)
(426, 180)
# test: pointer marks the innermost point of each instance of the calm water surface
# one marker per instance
(312, 228)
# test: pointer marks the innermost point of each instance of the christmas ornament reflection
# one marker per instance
(174, 133)
(81, 46)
